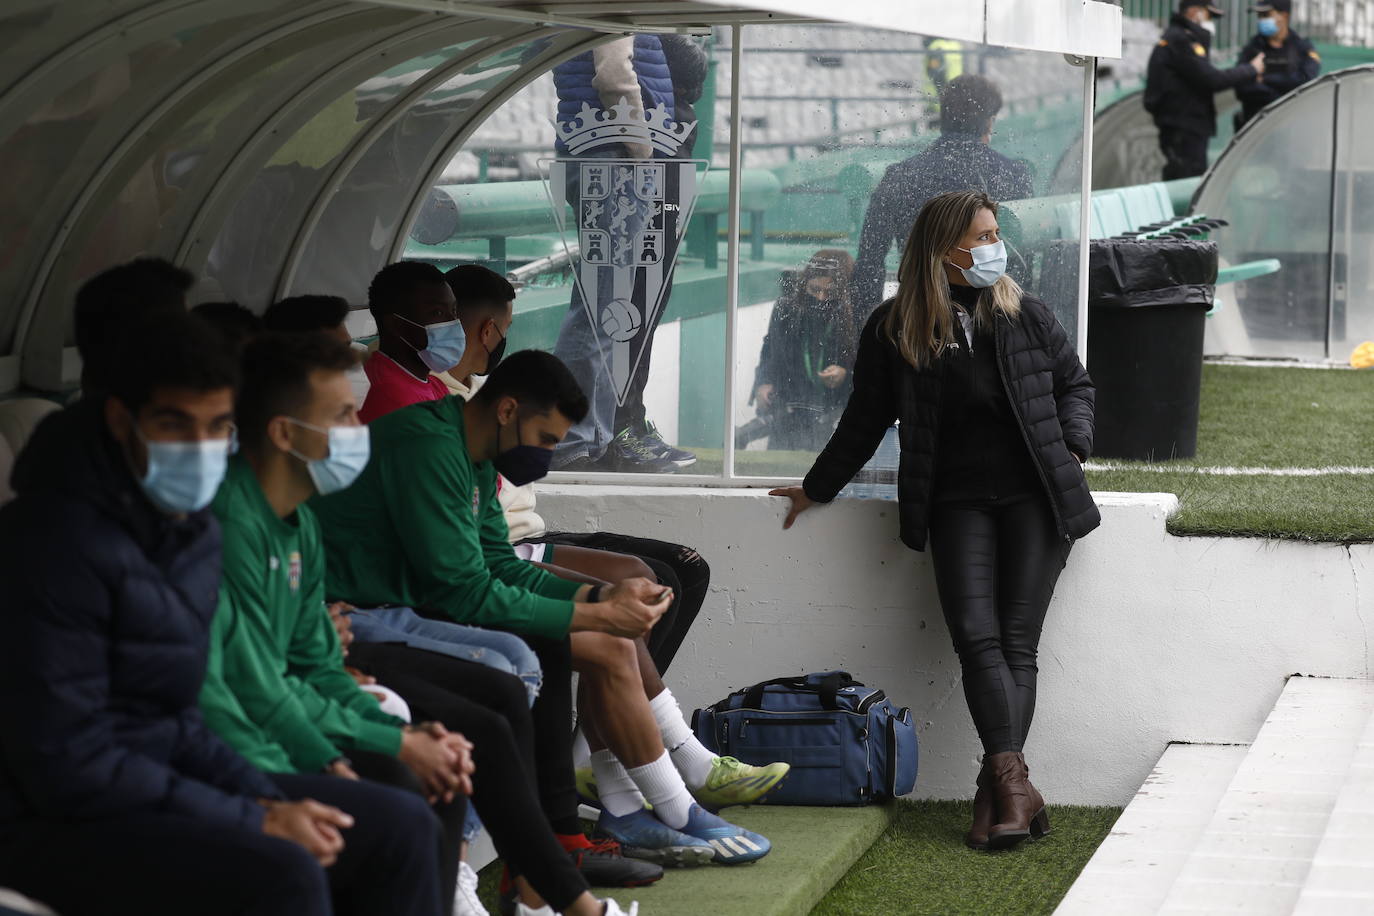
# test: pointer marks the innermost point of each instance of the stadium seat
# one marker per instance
(19, 417)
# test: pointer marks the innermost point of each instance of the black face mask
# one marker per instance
(521, 464)
(495, 353)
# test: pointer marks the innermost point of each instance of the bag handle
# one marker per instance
(753, 696)
(829, 689)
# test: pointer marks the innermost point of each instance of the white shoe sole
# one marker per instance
(673, 856)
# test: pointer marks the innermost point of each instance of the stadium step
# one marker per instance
(1291, 832)
(1257, 851)
(1342, 877)
(813, 848)
(1134, 868)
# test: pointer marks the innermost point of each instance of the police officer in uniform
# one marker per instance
(1289, 59)
(1180, 83)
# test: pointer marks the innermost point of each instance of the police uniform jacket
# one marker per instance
(1285, 68)
(1181, 81)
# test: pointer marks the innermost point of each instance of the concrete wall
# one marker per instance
(1151, 638)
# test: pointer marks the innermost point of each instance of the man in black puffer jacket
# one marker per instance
(114, 795)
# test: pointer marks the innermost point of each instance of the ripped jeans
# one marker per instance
(502, 651)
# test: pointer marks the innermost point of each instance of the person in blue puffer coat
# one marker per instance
(637, 69)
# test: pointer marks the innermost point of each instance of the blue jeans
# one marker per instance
(502, 651)
(585, 353)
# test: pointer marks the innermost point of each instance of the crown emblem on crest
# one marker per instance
(592, 128)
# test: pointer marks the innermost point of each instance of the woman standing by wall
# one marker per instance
(995, 417)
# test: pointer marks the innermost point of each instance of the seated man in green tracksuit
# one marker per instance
(422, 527)
(277, 688)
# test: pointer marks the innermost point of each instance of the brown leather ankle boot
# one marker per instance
(984, 811)
(1040, 821)
(1013, 800)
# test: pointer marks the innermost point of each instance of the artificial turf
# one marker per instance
(921, 866)
(917, 865)
(1271, 417)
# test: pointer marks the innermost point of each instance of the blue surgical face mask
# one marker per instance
(349, 449)
(183, 477)
(447, 341)
(1269, 27)
(989, 263)
(522, 464)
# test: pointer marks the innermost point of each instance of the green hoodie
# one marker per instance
(276, 689)
(422, 527)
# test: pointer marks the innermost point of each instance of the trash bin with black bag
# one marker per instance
(1147, 306)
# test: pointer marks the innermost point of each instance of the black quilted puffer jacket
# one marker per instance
(1050, 393)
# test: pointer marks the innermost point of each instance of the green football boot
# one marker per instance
(731, 782)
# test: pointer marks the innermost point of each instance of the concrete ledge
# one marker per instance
(1150, 638)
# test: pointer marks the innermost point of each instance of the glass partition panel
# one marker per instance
(1273, 186)
(250, 251)
(1352, 286)
(211, 118)
(850, 125)
(36, 159)
(613, 227)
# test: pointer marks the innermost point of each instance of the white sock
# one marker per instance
(582, 752)
(690, 756)
(663, 787)
(618, 793)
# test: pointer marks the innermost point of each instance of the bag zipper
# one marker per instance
(744, 723)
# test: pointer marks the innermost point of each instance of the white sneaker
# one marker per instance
(465, 899)
(612, 909)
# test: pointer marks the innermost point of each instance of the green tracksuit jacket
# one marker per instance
(276, 689)
(422, 528)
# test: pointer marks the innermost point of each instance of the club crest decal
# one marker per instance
(628, 216)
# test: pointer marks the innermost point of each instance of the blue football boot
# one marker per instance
(643, 836)
(733, 845)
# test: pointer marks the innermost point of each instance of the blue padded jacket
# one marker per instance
(107, 619)
(573, 80)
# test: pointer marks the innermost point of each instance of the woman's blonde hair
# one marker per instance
(921, 323)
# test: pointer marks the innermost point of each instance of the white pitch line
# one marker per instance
(1333, 470)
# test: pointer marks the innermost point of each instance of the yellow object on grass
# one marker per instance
(1363, 357)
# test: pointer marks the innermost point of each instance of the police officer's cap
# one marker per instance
(1211, 7)
(1274, 6)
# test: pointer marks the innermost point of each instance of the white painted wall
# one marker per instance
(1150, 637)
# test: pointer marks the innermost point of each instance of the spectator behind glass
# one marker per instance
(113, 299)
(418, 332)
(634, 70)
(960, 160)
(802, 380)
(309, 313)
(110, 564)
(234, 323)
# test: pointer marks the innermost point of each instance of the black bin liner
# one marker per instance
(1148, 302)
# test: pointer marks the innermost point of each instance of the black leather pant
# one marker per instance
(996, 563)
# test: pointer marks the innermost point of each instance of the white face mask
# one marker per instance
(989, 263)
(1209, 25)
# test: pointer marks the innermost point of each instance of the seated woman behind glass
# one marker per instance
(802, 380)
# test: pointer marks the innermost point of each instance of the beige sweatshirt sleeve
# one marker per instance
(615, 79)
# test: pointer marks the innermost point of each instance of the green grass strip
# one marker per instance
(921, 866)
